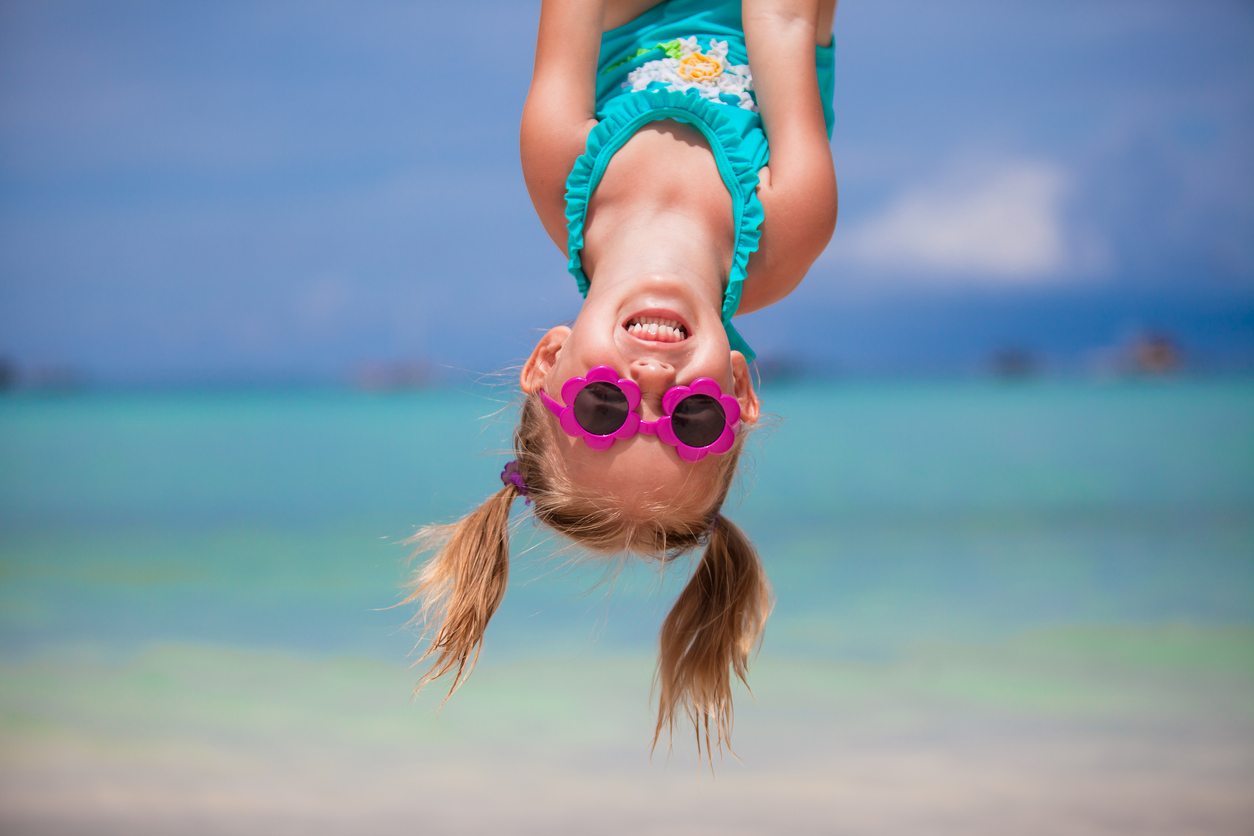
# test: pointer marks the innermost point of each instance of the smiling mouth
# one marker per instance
(657, 329)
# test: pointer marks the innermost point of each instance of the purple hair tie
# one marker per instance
(708, 534)
(511, 476)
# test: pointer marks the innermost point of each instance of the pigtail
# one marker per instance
(710, 632)
(460, 588)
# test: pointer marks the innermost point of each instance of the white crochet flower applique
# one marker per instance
(686, 67)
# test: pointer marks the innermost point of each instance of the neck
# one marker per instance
(650, 244)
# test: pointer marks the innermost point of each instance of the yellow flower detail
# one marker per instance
(698, 67)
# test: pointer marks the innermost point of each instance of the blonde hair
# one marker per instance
(710, 632)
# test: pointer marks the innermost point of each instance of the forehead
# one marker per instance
(639, 474)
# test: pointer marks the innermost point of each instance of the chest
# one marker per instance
(666, 166)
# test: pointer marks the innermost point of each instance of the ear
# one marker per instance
(542, 359)
(750, 406)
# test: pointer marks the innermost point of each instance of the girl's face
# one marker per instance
(658, 333)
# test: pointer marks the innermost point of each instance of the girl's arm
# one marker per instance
(560, 104)
(798, 188)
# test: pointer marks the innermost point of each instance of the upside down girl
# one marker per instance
(645, 150)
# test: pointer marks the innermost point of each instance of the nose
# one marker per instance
(654, 377)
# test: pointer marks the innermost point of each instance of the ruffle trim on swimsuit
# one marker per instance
(626, 115)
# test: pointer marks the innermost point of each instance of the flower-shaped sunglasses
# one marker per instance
(699, 418)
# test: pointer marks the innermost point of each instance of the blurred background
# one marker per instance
(260, 267)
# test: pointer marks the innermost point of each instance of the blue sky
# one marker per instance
(275, 190)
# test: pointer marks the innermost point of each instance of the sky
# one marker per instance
(290, 191)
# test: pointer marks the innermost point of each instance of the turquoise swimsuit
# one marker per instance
(684, 60)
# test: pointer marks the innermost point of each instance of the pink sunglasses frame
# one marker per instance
(634, 424)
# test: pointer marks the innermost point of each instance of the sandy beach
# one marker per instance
(1094, 731)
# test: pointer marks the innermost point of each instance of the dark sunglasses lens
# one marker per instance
(698, 420)
(601, 408)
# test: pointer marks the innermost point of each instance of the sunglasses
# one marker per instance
(699, 418)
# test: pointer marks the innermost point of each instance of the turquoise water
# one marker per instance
(1001, 609)
(889, 515)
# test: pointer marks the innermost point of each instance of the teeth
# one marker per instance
(657, 329)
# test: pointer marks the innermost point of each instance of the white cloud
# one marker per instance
(999, 226)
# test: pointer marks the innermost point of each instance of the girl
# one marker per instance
(644, 147)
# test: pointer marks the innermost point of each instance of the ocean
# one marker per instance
(1018, 606)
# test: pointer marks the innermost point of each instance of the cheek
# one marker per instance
(719, 367)
(713, 359)
(586, 349)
